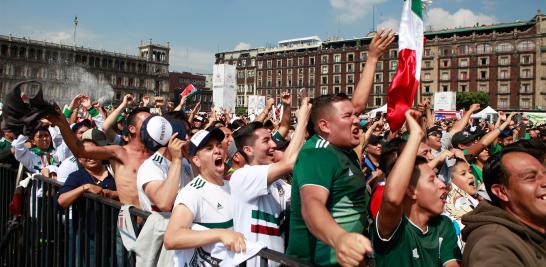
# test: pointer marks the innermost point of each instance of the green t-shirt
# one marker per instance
(494, 149)
(338, 171)
(409, 246)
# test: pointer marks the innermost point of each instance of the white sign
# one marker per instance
(224, 86)
(445, 101)
(256, 104)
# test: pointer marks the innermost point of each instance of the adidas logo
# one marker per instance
(350, 173)
(219, 207)
(415, 253)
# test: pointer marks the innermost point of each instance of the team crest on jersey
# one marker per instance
(202, 258)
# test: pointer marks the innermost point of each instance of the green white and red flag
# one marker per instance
(410, 51)
(190, 91)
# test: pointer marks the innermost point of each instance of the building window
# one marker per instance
(279, 63)
(378, 101)
(323, 90)
(337, 68)
(378, 77)
(463, 50)
(483, 75)
(363, 56)
(324, 59)
(289, 63)
(445, 51)
(379, 66)
(269, 62)
(445, 75)
(483, 87)
(350, 67)
(463, 75)
(312, 61)
(505, 47)
(503, 102)
(525, 103)
(426, 76)
(445, 88)
(350, 57)
(503, 88)
(324, 69)
(445, 63)
(427, 89)
(378, 89)
(337, 90)
(391, 75)
(463, 62)
(526, 73)
(324, 80)
(349, 90)
(300, 61)
(504, 60)
(504, 74)
(393, 64)
(337, 58)
(526, 45)
(483, 61)
(337, 79)
(393, 53)
(462, 87)
(526, 59)
(525, 88)
(350, 78)
(428, 64)
(428, 52)
(484, 49)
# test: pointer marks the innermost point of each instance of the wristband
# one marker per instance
(67, 112)
(500, 130)
(93, 112)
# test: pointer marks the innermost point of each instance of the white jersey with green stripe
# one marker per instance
(210, 204)
(258, 209)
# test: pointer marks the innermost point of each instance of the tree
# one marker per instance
(465, 99)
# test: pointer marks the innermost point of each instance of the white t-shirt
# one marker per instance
(156, 168)
(258, 210)
(67, 167)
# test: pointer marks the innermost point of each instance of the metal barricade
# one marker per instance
(83, 235)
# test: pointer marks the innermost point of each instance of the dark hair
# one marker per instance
(179, 117)
(321, 105)
(84, 123)
(236, 124)
(246, 136)
(416, 172)
(390, 153)
(39, 129)
(494, 172)
(132, 115)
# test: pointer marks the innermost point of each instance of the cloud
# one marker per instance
(440, 18)
(390, 23)
(190, 59)
(351, 10)
(242, 46)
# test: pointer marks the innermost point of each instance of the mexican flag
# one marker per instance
(410, 51)
(190, 91)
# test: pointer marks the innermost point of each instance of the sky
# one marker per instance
(198, 29)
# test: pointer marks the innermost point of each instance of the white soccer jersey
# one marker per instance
(67, 167)
(156, 168)
(258, 209)
(210, 204)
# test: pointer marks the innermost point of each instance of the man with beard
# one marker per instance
(510, 230)
(409, 229)
(125, 160)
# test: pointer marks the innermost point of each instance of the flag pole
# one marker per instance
(75, 26)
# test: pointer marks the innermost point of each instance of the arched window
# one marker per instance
(526, 45)
(483, 49)
(505, 47)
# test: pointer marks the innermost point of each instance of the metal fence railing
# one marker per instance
(83, 235)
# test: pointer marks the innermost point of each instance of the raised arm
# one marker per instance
(76, 146)
(194, 112)
(111, 120)
(286, 164)
(461, 124)
(181, 103)
(490, 137)
(391, 210)
(268, 107)
(284, 126)
(378, 46)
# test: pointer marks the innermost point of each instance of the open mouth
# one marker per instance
(355, 131)
(473, 183)
(542, 197)
(218, 162)
(443, 197)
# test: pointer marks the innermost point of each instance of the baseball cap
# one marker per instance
(463, 137)
(200, 139)
(156, 132)
(374, 140)
(76, 126)
(434, 130)
(95, 135)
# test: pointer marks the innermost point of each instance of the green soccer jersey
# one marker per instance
(409, 246)
(337, 170)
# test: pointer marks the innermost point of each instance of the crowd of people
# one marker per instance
(335, 188)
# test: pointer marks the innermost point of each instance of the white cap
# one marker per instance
(158, 129)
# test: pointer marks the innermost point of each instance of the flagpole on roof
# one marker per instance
(75, 26)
